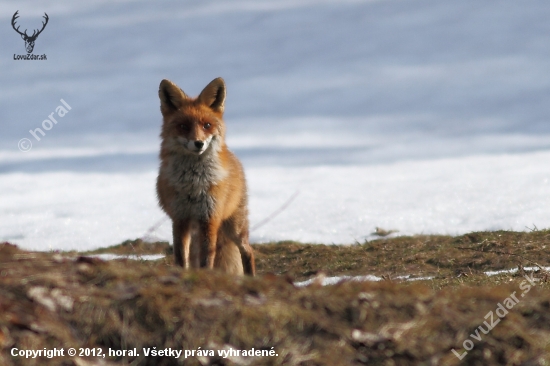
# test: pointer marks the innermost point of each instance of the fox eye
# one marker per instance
(207, 126)
(183, 127)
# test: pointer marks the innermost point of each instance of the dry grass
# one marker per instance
(50, 300)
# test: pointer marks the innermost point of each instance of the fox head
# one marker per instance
(192, 125)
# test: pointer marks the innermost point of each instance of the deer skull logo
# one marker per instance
(29, 40)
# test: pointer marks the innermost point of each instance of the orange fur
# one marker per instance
(201, 184)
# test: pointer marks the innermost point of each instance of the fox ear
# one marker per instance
(213, 95)
(171, 96)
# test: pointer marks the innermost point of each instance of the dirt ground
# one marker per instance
(434, 305)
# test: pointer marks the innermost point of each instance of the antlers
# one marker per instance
(15, 16)
(43, 25)
(34, 35)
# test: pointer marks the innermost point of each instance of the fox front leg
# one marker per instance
(209, 238)
(181, 231)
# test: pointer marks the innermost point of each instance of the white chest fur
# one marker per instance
(192, 176)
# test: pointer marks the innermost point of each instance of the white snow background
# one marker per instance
(423, 116)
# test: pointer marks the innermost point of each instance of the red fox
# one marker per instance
(201, 184)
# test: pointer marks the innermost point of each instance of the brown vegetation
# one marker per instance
(63, 300)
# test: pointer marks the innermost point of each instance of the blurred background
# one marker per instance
(423, 116)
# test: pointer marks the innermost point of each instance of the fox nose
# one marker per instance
(199, 144)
